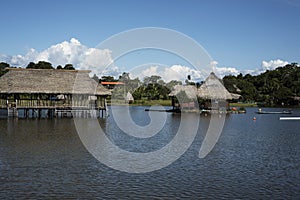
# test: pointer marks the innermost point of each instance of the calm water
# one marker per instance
(45, 159)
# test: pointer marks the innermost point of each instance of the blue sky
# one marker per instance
(236, 33)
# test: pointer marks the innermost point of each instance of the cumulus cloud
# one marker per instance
(168, 73)
(223, 71)
(81, 56)
(273, 64)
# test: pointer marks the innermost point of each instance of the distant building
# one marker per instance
(110, 84)
(129, 98)
(211, 89)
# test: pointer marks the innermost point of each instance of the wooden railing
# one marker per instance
(3, 103)
(49, 103)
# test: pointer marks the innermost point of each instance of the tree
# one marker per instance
(31, 65)
(152, 79)
(108, 79)
(3, 67)
(273, 87)
(69, 67)
(172, 83)
(59, 67)
(96, 78)
(39, 65)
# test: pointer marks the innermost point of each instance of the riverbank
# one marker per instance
(169, 103)
(240, 104)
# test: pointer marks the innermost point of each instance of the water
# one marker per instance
(45, 159)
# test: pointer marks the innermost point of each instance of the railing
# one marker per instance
(54, 104)
(3, 103)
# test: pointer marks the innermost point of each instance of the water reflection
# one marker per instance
(252, 159)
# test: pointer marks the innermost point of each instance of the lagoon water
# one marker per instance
(45, 159)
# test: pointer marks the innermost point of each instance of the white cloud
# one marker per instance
(273, 64)
(175, 72)
(223, 71)
(63, 53)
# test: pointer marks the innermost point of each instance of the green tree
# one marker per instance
(3, 68)
(172, 83)
(273, 87)
(31, 65)
(96, 78)
(108, 79)
(69, 67)
(39, 65)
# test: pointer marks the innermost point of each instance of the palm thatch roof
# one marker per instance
(50, 81)
(190, 91)
(212, 88)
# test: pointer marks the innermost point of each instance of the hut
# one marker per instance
(183, 97)
(210, 95)
(51, 89)
(129, 98)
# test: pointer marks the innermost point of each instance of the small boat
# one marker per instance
(273, 112)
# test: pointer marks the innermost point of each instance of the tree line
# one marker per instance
(273, 87)
(32, 65)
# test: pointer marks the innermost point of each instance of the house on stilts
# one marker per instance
(210, 96)
(35, 93)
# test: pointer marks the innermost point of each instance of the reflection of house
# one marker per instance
(210, 95)
(37, 90)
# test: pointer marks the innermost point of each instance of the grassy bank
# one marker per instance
(168, 103)
(243, 105)
(144, 103)
(152, 102)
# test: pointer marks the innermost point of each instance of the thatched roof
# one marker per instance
(50, 81)
(212, 88)
(190, 90)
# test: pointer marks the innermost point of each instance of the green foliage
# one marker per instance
(153, 88)
(95, 77)
(39, 65)
(69, 67)
(108, 79)
(273, 87)
(3, 67)
(172, 83)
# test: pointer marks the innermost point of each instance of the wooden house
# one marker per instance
(52, 90)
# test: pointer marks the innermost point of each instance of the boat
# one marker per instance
(273, 112)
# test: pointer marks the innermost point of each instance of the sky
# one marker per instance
(247, 36)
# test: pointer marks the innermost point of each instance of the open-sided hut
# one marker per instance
(51, 89)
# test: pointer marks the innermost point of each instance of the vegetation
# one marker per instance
(152, 88)
(39, 65)
(3, 67)
(271, 88)
(47, 65)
